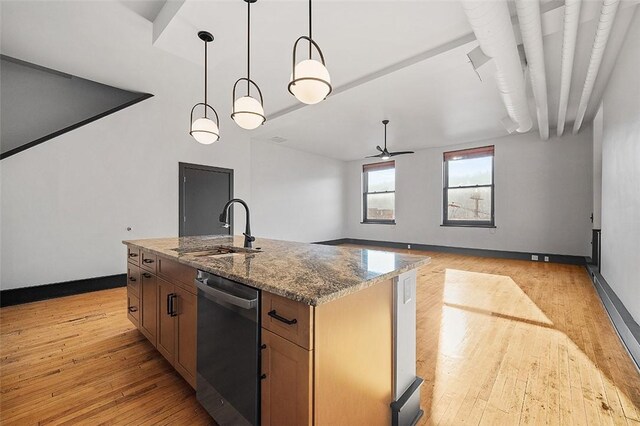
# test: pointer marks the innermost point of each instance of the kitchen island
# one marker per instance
(336, 324)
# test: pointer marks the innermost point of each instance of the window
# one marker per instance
(468, 187)
(379, 193)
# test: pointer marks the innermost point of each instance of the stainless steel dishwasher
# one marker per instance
(228, 366)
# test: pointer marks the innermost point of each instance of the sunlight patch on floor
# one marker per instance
(501, 361)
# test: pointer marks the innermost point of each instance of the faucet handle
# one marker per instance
(249, 237)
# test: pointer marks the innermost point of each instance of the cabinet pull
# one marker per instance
(133, 309)
(132, 278)
(146, 275)
(263, 376)
(133, 254)
(274, 314)
(171, 307)
(147, 260)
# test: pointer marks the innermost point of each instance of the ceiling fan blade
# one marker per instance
(374, 156)
(393, 154)
(378, 148)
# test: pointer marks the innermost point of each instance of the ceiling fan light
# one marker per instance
(205, 131)
(385, 157)
(248, 113)
(312, 83)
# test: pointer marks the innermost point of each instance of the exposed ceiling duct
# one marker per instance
(607, 17)
(491, 24)
(571, 24)
(531, 30)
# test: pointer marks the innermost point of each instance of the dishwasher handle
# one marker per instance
(214, 293)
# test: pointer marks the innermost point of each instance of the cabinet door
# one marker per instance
(166, 319)
(186, 326)
(287, 386)
(149, 303)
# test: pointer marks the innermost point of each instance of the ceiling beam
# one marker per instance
(164, 18)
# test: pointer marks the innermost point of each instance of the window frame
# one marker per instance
(366, 168)
(491, 223)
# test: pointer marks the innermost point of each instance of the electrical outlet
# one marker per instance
(409, 246)
(546, 258)
(534, 257)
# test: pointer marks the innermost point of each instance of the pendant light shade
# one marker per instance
(248, 112)
(204, 129)
(310, 81)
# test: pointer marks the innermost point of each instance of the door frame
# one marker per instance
(181, 176)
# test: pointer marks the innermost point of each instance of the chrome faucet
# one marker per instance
(224, 218)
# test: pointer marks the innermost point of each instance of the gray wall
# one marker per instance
(36, 102)
(621, 175)
(543, 198)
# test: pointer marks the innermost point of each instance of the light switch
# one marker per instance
(407, 290)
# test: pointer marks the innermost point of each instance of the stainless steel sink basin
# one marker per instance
(215, 251)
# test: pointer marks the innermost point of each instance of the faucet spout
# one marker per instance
(224, 218)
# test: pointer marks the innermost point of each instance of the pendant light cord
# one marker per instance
(310, 33)
(205, 79)
(248, 46)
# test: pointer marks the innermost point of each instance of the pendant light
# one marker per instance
(204, 129)
(248, 112)
(310, 81)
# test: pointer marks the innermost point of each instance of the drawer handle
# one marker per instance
(146, 275)
(133, 254)
(147, 260)
(274, 314)
(171, 307)
(132, 278)
(133, 309)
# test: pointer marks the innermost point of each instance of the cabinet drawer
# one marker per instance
(133, 279)
(177, 273)
(133, 255)
(148, 261)
(133, 308)
(289, 319)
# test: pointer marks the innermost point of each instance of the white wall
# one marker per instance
(66, 203)
(296, 195)
(597, 125)
(543, 198)
(621, 175)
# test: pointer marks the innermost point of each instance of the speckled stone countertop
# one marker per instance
(310, 273)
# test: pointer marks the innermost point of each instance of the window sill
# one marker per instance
(371, 222)
(454, 225)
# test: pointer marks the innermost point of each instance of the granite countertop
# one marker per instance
(310, 273)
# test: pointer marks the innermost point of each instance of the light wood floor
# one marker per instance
(499, 342)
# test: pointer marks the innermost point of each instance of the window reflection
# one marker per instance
(379, 262)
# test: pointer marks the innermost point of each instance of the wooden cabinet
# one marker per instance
(149, 304)
(177, 326)
(186, 326)
(162, 302)
(148, 261)
(166, 319)
(287, 384)
(288, 318)
(133, 308)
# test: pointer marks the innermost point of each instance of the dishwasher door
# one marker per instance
(228, 380)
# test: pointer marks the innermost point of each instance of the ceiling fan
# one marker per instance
(384, 153)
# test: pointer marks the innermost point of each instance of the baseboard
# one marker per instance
(18, 296)
(501, 254)
(628, 330)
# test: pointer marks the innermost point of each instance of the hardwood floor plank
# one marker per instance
(499, 342)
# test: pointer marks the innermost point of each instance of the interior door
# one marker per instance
(204, 190)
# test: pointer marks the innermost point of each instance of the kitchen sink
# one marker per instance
(215, 251)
